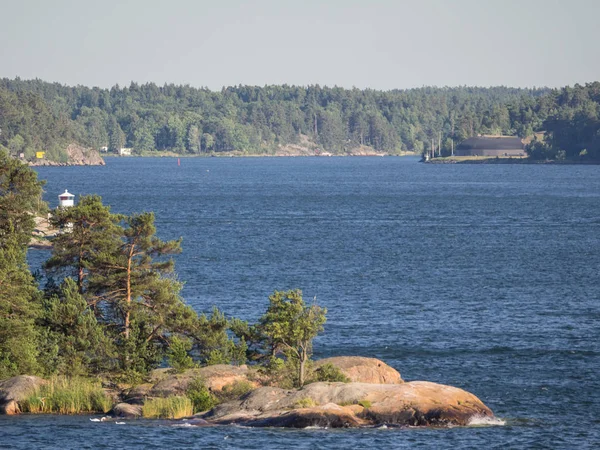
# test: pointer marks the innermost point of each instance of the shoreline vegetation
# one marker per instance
(108, 331)
(40, 120)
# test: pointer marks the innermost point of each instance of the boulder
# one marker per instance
(364, 370)
(127, 410)
(16, 389)
(329, 415)
(214, 377)
(417, 403)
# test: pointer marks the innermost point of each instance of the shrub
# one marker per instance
(329, 372)
(174, 407)
(201, 398)
(280, 373)
(68, 396)
(305, 402)
(234, 390)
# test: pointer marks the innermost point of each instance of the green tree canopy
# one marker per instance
(291, 326)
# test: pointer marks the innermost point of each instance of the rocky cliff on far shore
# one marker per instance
(78, 156)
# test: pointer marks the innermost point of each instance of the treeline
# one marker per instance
(571, 125)
(257, 120)
(110, 302)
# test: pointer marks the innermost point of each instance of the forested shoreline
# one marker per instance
(41, 116)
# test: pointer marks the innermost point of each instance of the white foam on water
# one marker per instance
(485, 421)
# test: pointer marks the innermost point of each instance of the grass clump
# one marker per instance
(365, 404)
(174, 407)
(65, 395)
(305, 402)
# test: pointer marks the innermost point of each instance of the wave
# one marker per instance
(485, 421)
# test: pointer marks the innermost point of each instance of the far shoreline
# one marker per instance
(504, 160)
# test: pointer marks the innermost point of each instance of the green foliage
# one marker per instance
(174, 407)
(365, 404)
(234, 391)
(20, 199)
(256, 120)
(177, 356)
(81, 344)
(214, 343)
(30, 123)
(44, 116)
(64, 395)
(329, 372)
(291, 326)
(93, 232)
(305, 402)
(201, 398)
(280, 372)
(125, 281)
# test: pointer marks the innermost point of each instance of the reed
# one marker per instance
(65, 395)
(174, 407)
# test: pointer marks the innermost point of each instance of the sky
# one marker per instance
(377, 44)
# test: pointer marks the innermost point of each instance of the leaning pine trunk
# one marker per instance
(127, 318)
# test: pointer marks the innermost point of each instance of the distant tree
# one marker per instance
(116, 137)
(193, 139)
(208, 142)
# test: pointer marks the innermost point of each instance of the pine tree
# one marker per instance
(89, 230)
(141, 295)
(20, 198)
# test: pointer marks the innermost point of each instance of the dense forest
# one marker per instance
(36, 115)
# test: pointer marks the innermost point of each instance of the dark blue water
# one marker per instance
(482, 277)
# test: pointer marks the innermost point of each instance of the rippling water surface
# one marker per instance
(482, 277)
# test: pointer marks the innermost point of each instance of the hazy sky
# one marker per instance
(380, 44)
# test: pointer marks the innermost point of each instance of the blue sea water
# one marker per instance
(484, 277)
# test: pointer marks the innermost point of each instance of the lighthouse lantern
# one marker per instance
(66, 199)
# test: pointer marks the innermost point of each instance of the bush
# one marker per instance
(365, 404)
(329, 372)
(174, 407)
(68, 396)
(280, 373)
(305, 402)
(234, 390)
(201, 398)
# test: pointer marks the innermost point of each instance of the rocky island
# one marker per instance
(375, 395)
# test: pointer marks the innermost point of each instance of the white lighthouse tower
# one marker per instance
(66, 199)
